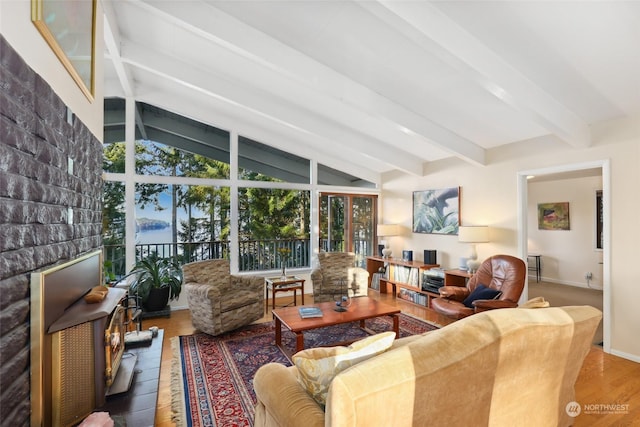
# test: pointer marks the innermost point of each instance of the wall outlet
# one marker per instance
(588, 275)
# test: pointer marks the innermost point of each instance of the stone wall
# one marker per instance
(49, 212)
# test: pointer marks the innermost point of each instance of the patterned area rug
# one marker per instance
(212, 376)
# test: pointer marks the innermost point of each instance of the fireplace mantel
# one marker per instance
(81, 311)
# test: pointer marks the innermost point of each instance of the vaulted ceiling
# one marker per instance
(374, 86)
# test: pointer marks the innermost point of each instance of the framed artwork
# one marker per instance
(69, 29)
(553, 216)
(436, 211)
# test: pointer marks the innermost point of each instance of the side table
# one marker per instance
(537, 267)
(282, 284)
(456, 277)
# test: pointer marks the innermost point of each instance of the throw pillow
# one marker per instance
(537, 302)
(481, 292)
(96, 294)
(318, 366)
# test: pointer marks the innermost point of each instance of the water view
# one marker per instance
(154, 236)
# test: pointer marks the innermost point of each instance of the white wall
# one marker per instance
(22, 34)
(567, 254)
(489, 196)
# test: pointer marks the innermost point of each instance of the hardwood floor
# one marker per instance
(605, 380)
(559, 295)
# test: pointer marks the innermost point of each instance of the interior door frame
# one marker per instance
(348, 220)
(606, 231)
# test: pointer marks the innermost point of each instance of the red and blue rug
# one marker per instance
(212, 376)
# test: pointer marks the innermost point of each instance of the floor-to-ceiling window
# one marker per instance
(274, 207)
(191, 191)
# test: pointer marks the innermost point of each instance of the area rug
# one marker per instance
(212, 376)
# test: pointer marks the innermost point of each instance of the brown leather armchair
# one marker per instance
(502, 273)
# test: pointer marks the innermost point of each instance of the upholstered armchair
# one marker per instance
(219, 301)
(336, 273)
(498, 283)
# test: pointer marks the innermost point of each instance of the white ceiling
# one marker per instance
(375, 86)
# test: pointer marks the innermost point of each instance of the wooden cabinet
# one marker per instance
(456, 277)
(402, 278)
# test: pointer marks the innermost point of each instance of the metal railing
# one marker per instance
(362, 249)
(254, 255)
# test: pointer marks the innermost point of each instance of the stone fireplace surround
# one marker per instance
(39, 193)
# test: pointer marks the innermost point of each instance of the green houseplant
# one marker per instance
(156, 281)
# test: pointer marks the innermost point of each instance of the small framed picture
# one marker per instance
(553, 216)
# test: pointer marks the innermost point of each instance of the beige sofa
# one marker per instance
(509, 367)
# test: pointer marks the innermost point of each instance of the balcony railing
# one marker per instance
(254, 255)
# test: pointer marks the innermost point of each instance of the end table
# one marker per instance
(282, 284)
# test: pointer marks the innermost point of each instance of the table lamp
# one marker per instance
(473, 235)
(387, 230)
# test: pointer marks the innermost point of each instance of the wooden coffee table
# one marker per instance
(361, 309)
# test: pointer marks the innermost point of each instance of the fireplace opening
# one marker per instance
(114, 344)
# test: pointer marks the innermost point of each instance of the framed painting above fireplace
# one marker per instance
(69, 29)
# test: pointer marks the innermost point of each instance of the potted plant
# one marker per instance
(157, 280)
(109, 275)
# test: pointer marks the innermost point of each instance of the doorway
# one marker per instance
(347, 223)
(523, 232)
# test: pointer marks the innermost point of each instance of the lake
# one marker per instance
(154, 236)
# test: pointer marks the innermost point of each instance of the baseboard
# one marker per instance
(625, 355)
(532, 281)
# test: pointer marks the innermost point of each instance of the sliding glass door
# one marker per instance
(347, 223)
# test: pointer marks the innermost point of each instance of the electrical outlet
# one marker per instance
(588, 275)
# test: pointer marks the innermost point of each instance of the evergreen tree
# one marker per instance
(270, 217)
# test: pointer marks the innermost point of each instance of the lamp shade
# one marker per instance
(473, 234)
(388, 229)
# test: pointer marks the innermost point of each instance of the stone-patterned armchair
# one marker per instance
(219, 301)
(337, 270)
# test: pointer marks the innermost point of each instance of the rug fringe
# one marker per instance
(178, 407)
